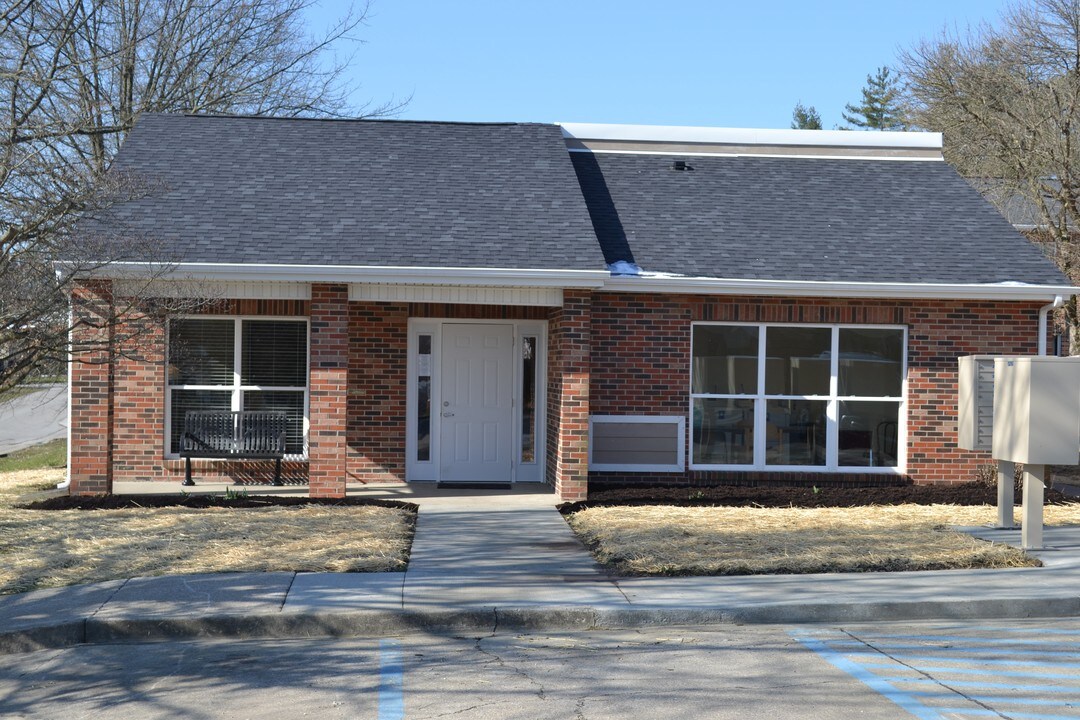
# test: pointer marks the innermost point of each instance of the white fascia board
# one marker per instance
(502, 277)
(752, 136)
(796, 288)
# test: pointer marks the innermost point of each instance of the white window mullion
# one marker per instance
(759, 403)
(237, 403)
(832, 411)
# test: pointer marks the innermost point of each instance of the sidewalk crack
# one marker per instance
(285, 597)
(107, 600)
(615, 582)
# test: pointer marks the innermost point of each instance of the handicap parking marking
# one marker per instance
(989, 673)
(391, 681)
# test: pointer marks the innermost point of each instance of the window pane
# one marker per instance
(184, 400)
(423, 399)
(274, 353)
(201, 352)
(528, 400)
(725, 359)
(423, 419)
(868, 433)
(723, 431)
(292, 402)
(797, 361)
(871, 362)
(795, 432)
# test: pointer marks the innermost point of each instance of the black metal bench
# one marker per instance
(234, 435)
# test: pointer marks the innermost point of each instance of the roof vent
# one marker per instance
(680, 165)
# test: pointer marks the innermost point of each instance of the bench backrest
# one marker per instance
(234, 432)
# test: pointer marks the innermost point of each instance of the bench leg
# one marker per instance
(187, 473)
(277, 471)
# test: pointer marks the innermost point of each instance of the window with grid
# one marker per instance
(796, 396)
(238, 364)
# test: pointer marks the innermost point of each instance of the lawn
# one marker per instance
(40, 549)
(52, 454)
(673, 540)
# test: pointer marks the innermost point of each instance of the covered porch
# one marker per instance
(383, 384)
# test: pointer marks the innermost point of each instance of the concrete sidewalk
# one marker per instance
(488, 560)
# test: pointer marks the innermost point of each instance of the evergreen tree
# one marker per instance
(880, 108)
(805, 118)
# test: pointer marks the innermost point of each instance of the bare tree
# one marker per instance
(1007, 98)
(75, 75)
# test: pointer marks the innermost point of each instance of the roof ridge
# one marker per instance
(248, 116)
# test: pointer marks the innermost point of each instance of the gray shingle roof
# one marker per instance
(803, 219)
(383, 193)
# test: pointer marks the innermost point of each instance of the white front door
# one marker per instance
(477, 403)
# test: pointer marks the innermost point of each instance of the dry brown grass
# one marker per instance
(669, 540)
(52, 548)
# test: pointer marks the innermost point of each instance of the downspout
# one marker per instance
(1043, 312)
(66, 484)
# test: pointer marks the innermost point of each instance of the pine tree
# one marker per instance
(805, 118)
(880, 108)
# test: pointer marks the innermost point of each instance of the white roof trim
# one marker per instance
(584, 279)
(759, 153)
(818, 288)
(503, 277)
(752, 136)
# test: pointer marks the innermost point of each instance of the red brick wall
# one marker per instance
(638, 364)
(641, 358)
(328, 390)
(378, 347)
(91, 389)
(568, 395)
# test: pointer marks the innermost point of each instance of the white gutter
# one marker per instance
(1043, 312)
(495, 277)
(816, 288)
(583, 279)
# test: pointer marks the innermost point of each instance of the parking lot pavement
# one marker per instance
(33, 418)
(1028, 669)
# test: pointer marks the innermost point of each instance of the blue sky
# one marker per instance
(680, 62)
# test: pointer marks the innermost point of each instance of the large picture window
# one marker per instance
(238, 364)
(799, 397)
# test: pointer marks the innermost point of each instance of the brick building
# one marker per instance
(447, 302)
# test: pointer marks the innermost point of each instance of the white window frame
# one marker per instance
(832, 400)
(429, 470)
(237, 388)
(678, 420)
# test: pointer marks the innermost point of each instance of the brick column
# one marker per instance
(328, 389)
(91, 431)
(570, 338)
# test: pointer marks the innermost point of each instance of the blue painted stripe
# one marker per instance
(974, 661)
(993, 713)
(955, 649)
(972, 640)
(996, 699)
(990, 685)
(974, 671)
(899, 697)
(391, 697)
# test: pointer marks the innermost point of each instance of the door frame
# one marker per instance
(428, 470)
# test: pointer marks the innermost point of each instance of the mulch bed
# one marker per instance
(801, 497)
(122, 502)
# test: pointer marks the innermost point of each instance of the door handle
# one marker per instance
(448, 414)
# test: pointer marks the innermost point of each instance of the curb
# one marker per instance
(487, 621)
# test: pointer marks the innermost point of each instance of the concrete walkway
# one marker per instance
(487, 560)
